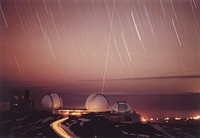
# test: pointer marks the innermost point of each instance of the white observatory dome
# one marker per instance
(121, 107)
(52, 101)
(96, 103)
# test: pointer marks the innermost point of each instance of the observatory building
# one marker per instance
(121, 112)
(121, 107)
(21, 101)
(96, 103)
(52, 101)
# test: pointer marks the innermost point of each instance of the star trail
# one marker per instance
(65, 44)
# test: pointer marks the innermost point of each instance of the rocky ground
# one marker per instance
(37, 124)
(93, 125)
(27, 124)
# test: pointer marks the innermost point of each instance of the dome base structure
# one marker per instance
(121, 113)
(131, 117)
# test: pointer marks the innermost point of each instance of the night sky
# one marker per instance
(114, 47)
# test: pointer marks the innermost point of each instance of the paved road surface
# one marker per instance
(57, 128)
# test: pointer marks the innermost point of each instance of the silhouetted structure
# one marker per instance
(121, 112)
(121, 107)
(21, 101)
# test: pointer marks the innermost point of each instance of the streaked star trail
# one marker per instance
(63, 45)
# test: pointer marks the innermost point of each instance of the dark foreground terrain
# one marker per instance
(27, 124)
(92, 125)
(37, 124)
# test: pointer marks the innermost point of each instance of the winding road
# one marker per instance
(56, 126)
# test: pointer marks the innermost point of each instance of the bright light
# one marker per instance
(151, 119)
(177, 118)
(144, 120)
(66, 113)
(70, 112)
(167, 118)
(76, 113)
(196, 117)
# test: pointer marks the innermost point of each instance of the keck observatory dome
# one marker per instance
(96, 103)
(52, 101)
(121, 107)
